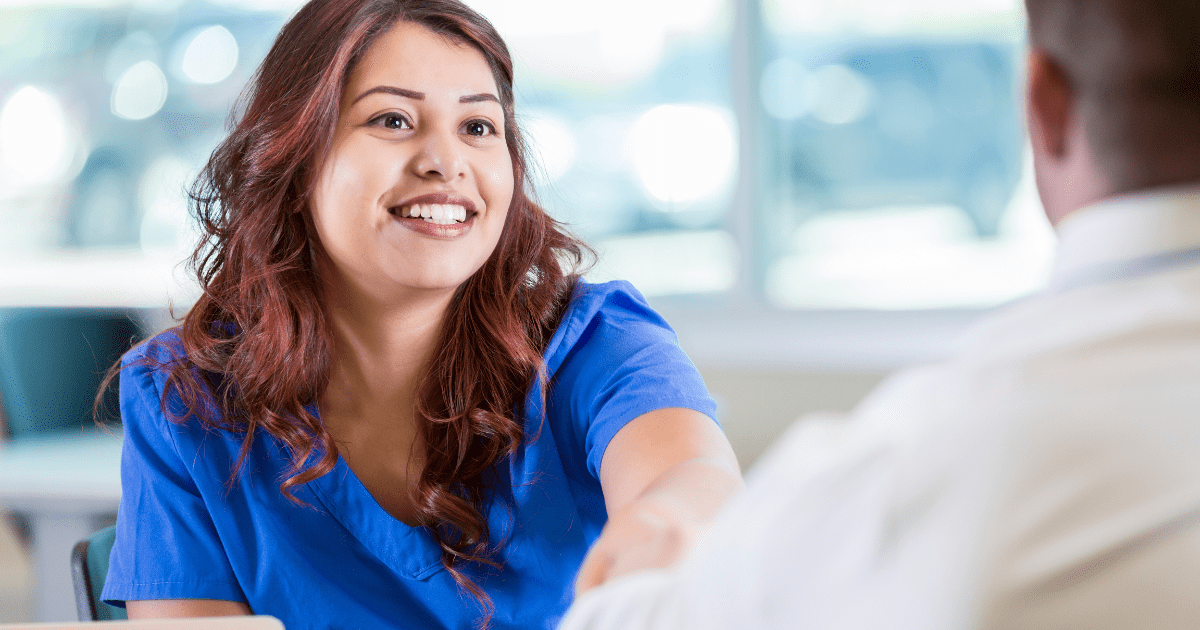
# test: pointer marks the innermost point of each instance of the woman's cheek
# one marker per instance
(500, 180)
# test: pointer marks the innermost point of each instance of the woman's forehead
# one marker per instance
(411, 57)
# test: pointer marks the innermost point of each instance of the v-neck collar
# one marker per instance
(412, 551)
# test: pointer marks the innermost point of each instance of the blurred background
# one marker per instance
(813, 192)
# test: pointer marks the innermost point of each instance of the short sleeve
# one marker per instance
(166, 545)
(625, 361)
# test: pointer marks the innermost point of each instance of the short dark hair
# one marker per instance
(1134, 66)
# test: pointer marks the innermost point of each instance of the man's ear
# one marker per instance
(1051, 103)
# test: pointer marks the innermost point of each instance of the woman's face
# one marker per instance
(417, 184)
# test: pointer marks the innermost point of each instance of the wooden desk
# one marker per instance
(66, 486)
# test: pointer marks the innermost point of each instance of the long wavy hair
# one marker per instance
(258, 340)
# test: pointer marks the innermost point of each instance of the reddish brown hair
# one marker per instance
(259, 335)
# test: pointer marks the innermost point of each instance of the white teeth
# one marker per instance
(441, 214)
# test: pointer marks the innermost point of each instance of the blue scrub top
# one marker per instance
(342, 561)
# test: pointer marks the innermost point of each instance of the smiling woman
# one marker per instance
(395, 390)
(445, 141)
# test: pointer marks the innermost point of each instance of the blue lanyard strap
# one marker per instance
(1128, 269)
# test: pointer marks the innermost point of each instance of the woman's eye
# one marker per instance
(479, 128)
(392, 121)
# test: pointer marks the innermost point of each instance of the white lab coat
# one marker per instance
(1047, 477)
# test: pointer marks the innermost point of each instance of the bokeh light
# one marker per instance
(140, 92)
(684, 153)
(553, 144)
(36, 144)
(211, 55)
(842, 95)
(785, 90)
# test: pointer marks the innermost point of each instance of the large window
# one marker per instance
(896, 174)
(629, 103)
(107, 110)
(784, 156)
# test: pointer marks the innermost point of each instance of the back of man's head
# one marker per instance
(1134, 70)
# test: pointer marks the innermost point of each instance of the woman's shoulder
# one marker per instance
(158, 383)
(597, 313)
(148, 366)
(158, 352)
(615, 298)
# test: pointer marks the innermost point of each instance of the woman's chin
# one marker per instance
(419, 281)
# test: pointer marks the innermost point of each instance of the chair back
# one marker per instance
(52, 361)
(89, 567)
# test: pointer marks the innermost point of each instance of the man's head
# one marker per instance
(1114, 97)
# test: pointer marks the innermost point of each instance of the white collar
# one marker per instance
(1150, 227)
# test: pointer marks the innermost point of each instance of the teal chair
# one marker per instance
(52, 361)
(89, 567)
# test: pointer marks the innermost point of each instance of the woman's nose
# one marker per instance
(439, 156)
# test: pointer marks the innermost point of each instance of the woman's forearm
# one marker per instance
(180, 608)
(693, 491)
(661, 526)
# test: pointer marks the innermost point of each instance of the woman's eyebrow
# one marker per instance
(478, 98)
(387, 89)
(420, 96)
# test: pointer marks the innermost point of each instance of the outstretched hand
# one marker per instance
(640, 536)
(665, 476)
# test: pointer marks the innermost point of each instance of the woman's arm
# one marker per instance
(665, 475)
(176, 608)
